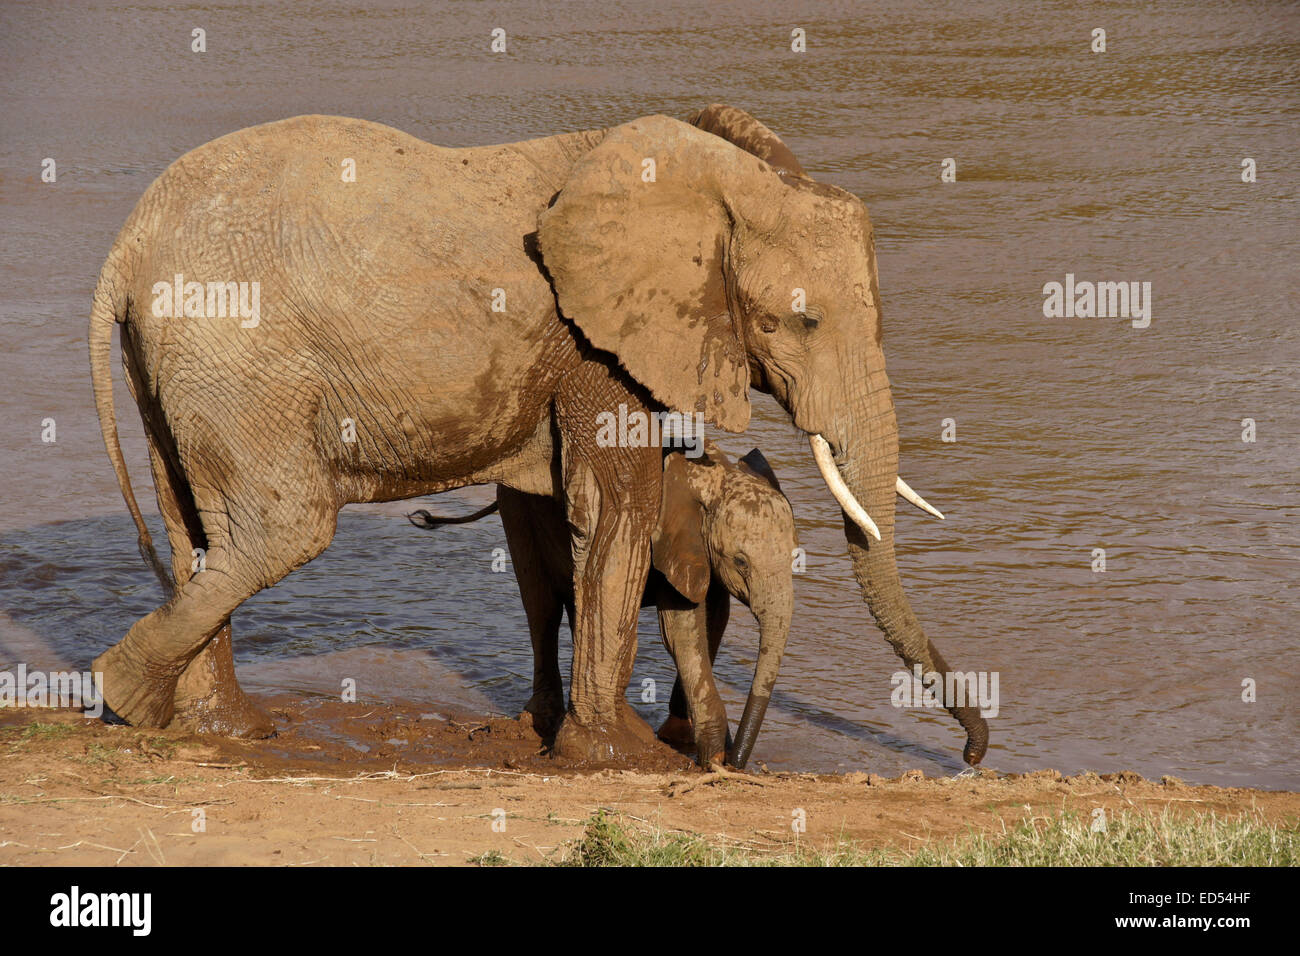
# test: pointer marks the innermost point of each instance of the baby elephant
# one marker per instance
(723, 530)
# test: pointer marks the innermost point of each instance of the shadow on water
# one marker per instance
(75, 587)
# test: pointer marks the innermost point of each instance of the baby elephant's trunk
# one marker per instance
(773, 629)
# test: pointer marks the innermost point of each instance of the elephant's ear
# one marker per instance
(637, 253)
(738, 127)
(755, 464)
(677, 547)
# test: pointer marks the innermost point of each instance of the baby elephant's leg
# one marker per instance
(685, 629)
(677, 730)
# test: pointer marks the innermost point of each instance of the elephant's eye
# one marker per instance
(741, 562)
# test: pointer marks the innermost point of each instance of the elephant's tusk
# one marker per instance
(907, 493)
(835, 482)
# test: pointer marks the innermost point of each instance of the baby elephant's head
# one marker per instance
(731, 524)
(750, 536)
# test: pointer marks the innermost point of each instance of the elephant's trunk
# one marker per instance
(773, 630)
(867, 460)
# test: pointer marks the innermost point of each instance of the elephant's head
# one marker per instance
(706, 270)
(732, 524)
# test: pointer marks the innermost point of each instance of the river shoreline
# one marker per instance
(439, 788)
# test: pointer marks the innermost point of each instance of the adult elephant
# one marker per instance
(431, 318)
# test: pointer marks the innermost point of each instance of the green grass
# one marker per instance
(97, 753)
(161, 746)
(44, 732)
(1065, 840)
(1130, 839)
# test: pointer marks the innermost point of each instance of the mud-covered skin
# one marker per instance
(379, 369)
(724, 530)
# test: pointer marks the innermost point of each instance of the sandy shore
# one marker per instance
(446, 789)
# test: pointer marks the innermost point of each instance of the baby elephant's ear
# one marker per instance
(677, 544)
(755, 464)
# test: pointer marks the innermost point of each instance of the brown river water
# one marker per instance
(1071, 433)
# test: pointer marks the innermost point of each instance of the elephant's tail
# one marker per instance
(110, 306)
(423, 519)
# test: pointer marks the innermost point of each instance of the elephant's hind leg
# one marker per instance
(141, 671)
(248, 549)
(208, 696)
(537, 534)
(209, 699)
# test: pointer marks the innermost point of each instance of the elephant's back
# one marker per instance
(288, 165)
(344, 217)
(355, 168)
(322, 130)
(319, 190)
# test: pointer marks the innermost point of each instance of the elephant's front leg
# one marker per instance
(611, 550)
(692, 633)
(678, 730)
(611, 493)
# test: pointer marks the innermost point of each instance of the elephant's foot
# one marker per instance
(137, 692)
(709, 747)
(623, 741)
(712, 748)
(209, 699)
(545, 711)
(232, 716)
(678, 733)
(223, 709)
(637, 725)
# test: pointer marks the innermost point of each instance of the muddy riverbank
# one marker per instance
(446, 788)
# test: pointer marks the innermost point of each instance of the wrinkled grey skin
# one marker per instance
(725, 530)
